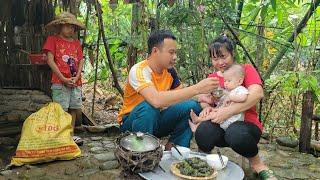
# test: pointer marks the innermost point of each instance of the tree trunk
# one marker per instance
(306, 122)
(106, 47)
(132, 51)
(293, 36)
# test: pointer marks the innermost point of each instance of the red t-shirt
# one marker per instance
(67, 55)
(251, 77)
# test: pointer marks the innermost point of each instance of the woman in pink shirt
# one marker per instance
(241, 136)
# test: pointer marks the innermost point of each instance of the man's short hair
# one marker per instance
(157, 37)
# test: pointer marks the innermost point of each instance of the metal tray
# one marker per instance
(231, 172)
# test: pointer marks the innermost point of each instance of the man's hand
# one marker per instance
(207, 85)
(206, 98)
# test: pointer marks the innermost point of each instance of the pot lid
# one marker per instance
(139, 142)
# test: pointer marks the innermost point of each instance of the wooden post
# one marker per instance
(306, 122)
(316, 118)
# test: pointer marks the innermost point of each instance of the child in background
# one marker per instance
(235, 93)
(65, 59)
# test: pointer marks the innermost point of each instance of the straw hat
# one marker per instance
(64, 18)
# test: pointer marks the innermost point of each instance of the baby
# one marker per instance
(233, 93)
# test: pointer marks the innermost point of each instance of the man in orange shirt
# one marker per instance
(154, 100)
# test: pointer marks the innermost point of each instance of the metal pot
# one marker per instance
(138, 152)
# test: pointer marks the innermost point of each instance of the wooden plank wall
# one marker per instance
(25, 76)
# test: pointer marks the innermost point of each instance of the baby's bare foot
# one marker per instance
(193, 126)
(194, 117)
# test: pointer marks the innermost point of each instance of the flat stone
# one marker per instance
(109, 165)
(109, 145)
(88, 172)
(35, 92)
(105, 156)
(6, 172)
(287, 141)
(293, 174)
(96, 149)
(111, 138)
(112, 129)
(105, 142)
(41, 99)
(96, 138)
(95, 129)
(95, 144)
(284, 148)
(17, 98)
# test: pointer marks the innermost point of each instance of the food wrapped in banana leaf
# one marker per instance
(195, 167)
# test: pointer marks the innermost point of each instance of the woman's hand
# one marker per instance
(205, 112)
(219, 115)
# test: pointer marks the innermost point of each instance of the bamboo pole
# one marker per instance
(95, 75)
(106, 47)
(295, 33)
(86, 24)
